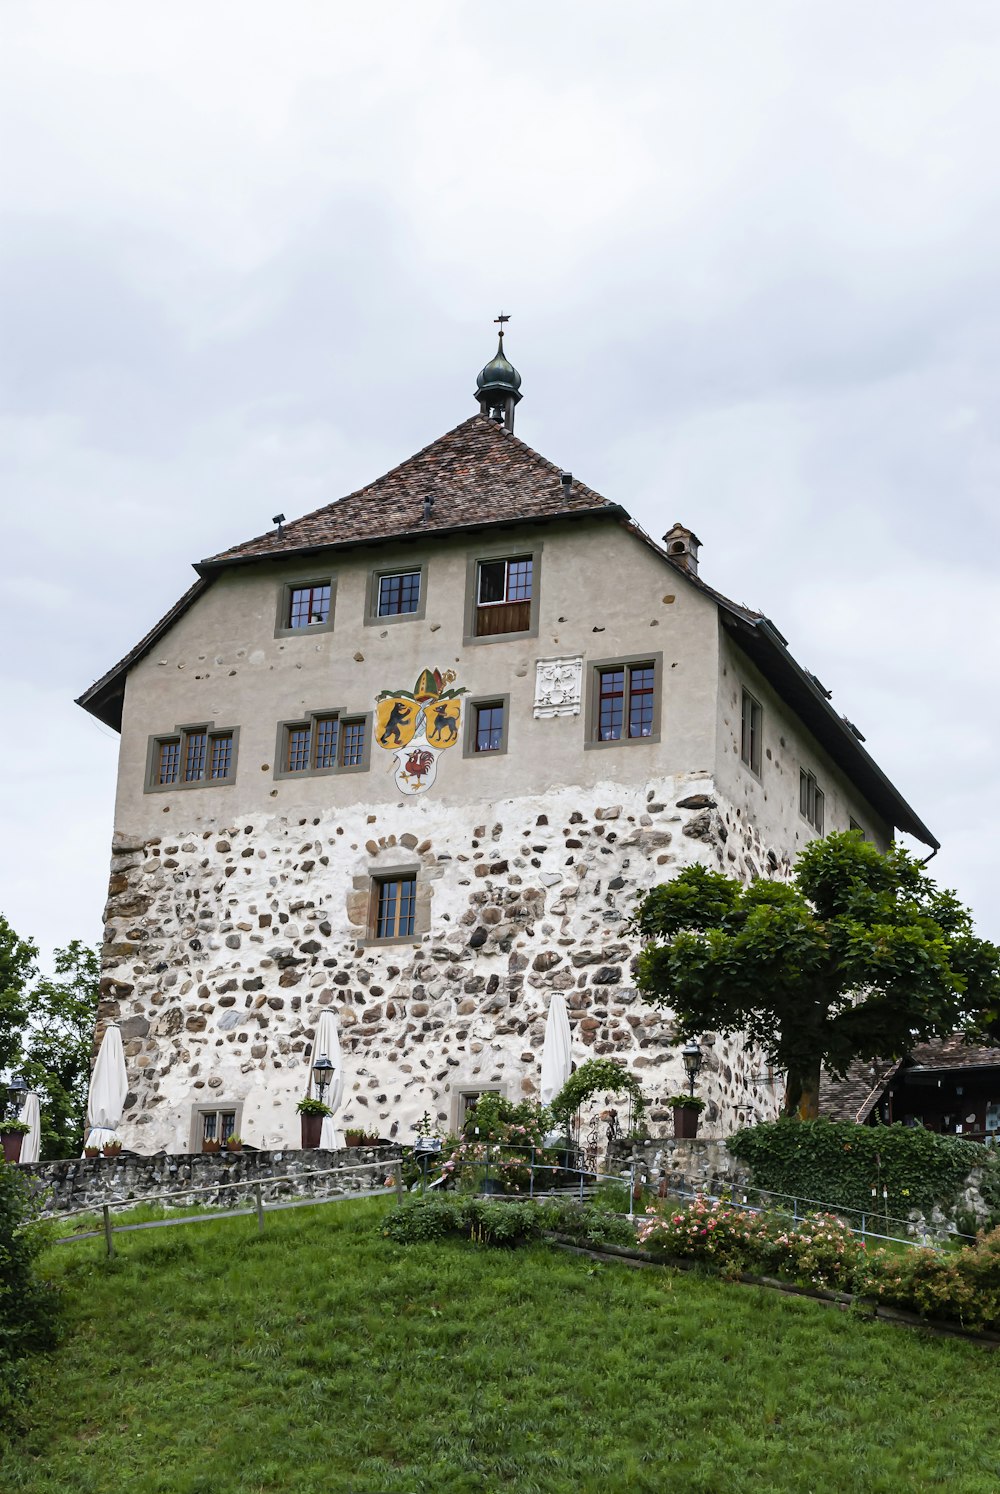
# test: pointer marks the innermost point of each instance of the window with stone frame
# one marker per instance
(192, 757)
(812, 801)
(323, 742)
(214, 1121)
(394, 907)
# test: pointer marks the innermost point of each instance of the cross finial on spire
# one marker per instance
(499, 321)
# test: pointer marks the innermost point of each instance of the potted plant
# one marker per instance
(91, 1151)
(311, 1113)
(12, 1134)
(211, 1145)
(354, 1137)
(234, 1143)
(687, 1109)
(112, 1148)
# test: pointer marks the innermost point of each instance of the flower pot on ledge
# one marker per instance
(312, 1130)
(686, 1122)
(12, 1141)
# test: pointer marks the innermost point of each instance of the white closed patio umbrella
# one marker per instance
(108, 1088)
(328, 1042)
(31, 1114)
(556, 1049)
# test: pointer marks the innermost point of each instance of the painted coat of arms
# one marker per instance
(417, 726)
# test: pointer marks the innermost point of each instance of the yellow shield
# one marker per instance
(395, 721)
(443, 720)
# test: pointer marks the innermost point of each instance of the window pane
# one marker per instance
(492, 581)
(519, 580)
(489, 728)
(169, 762)
(222, 756)
(804, 794)
(353, 744)
(308, 606)
(640, 700)
(209, 1126)
(228, 1124)
(299, 740)
(398, 594)
(327, 731)
(194, 761)
(818, 810)
(396, 908)
(611, 705)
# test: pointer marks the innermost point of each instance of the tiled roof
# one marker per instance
(476, 474)
(855, 1096)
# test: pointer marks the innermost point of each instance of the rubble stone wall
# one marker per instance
(89, 1182)
(223, 945)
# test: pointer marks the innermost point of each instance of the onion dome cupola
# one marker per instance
(498, 385)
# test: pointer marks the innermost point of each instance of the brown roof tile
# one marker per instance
(476, 474)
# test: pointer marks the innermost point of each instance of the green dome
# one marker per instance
(499, 375)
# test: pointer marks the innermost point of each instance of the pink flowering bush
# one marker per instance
(818, 1250)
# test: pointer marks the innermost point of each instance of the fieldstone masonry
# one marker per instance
(223, 945)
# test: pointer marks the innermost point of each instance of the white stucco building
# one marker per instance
(410, 758)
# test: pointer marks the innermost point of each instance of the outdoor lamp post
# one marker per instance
(16, 1091)
(692, 1058)
(322, 1072)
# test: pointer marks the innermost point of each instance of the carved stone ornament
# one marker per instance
(558, 687)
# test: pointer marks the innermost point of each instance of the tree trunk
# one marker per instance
(802, 1090)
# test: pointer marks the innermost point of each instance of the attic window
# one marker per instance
(305, 606)
(309, 605)
(503, 596)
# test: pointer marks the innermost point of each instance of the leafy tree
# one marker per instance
(46, 1031)
(57, 1047)
(860, 956)
(17, 970)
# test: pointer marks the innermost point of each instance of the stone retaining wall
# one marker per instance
(702, 1164)
(88, 1182)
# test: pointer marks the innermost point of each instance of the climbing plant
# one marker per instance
(839, 1163)
(598, 1076)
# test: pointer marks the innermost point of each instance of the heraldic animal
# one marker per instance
(418, 765)
(398, 716)
(444, 727)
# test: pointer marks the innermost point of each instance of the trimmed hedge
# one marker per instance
(489, 1222)
(838, 1163)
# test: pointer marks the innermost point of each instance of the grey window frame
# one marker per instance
(372, 586)
(815, 800)
(309, 720)
(474, 558)
(594, 668)
(469, 736)
(299, 583)
(211, 1107)
(463, 1093)
(180, 735)
(853, 824)
(747, 748)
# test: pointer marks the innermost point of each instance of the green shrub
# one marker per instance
(589, 1223)
(28, 1305)
(838, 1163)
(963, 1287)
(482, 1220)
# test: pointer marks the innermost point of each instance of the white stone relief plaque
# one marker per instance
(558, 685)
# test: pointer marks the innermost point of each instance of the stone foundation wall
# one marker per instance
(91, 1181)
(701, 1165)
(224, 944)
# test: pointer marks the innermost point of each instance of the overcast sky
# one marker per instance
(249, 260)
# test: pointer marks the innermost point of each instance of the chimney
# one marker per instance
(682, 545)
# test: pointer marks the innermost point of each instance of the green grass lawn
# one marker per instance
(321, 1357)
